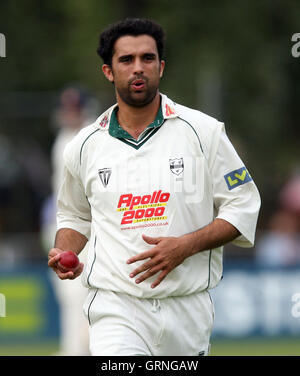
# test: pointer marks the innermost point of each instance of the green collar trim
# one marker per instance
(115, 130)
(135, 144)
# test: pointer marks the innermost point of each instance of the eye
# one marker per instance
(149, 57)
(125, 59)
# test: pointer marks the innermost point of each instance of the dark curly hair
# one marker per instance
(129, 26)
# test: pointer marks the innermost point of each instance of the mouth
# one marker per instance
(138, 85)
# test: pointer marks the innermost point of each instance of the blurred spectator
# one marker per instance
(24, 184)
(73, 113)
(290, 197)
(9, 173)
(34, 163)
(279, 246)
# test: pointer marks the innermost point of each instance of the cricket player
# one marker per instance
(158, 189)
(70, 116)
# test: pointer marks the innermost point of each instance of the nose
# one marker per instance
(138, 66)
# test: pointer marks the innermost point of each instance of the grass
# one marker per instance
(29, 349)
(256, 347)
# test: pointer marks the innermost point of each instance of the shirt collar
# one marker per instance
(115, 130)
(168, 107)
(108, 120)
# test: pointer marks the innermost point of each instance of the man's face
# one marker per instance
(135, 69)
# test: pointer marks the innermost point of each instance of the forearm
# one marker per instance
(214, 235)
(70, 240)
(169, 252)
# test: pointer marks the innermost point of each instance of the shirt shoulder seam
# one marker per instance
(82, 145)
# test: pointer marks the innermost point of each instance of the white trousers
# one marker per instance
(124, 325)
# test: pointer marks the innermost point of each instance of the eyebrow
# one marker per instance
(146, 54)
(150, 54)
(124, 57)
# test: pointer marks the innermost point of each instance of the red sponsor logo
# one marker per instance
(169, 110)
(143, 208)
(104, 122)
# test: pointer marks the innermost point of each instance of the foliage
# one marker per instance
(230, 59)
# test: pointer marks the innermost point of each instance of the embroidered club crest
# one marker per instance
(104, 174)
(176, 165)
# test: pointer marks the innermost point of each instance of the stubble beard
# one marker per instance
(137, 99)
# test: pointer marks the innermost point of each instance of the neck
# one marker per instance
(135, 119)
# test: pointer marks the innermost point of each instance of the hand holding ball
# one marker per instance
(68, 261)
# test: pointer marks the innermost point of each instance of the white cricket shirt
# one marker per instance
(177, 177)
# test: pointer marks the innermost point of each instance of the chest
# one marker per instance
(167, 165)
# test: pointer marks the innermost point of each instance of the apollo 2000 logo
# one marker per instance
(149, 207)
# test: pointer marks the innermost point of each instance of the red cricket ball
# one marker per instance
(68, 261)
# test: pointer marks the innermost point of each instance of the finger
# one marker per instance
(71, 274)
(53, 260)
(148, 274)
(79, 270)
(150, 239)
(53, 252)
(142, 268)
(67, 275)
(160, 277)
(140, 256)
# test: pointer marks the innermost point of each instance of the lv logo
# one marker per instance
(237, 177)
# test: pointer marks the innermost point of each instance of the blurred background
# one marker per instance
(232, 60)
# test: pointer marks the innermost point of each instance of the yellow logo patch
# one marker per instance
(237, 177)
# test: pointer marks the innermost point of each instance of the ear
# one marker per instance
(161, 68)
(108, 73)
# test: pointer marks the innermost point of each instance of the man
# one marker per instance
(158, 189)
(70, 116)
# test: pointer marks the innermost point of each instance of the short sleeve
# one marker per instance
(236, 197)
(73, 207)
